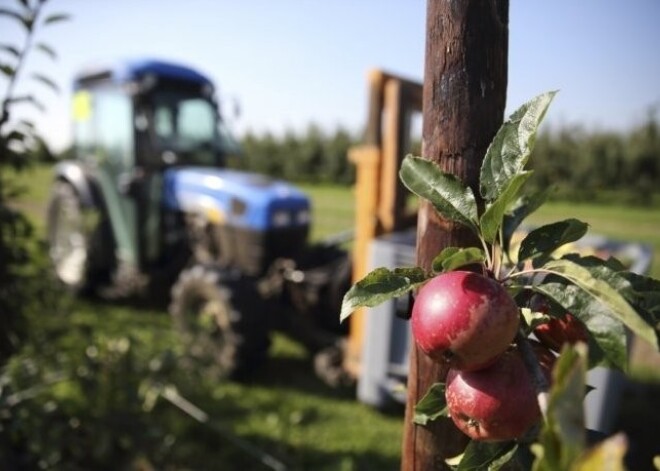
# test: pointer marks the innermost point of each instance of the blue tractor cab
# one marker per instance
(148, 203)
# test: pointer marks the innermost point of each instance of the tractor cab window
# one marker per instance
(102, 127)
(163, 123)
(196, 120)
(189, 126)
(114, 132)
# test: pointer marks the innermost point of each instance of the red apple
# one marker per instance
(558, 331)
(499, 402)
(464, 319)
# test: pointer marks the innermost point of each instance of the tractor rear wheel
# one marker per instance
(75, 240)
(220, 321)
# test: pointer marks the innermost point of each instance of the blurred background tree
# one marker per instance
(313, 156)
(583, 165)
(601, 166)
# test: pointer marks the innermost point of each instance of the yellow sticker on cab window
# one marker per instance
(82, 105)
(215, 216)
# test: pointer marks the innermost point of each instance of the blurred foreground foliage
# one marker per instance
(81, 407)
(63, 405)
(21, 280)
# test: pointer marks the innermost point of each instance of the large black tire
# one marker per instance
(221, 321)
(78, 241)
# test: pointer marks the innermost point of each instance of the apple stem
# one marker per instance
(538, 377)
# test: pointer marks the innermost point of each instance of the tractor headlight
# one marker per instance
(281, 219)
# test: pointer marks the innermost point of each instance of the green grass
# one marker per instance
(333, 212)
(34, 183)
(333, 209)
(285, 410)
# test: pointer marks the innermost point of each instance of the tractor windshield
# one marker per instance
(189, 126)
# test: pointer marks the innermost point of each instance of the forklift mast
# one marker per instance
(382, 205)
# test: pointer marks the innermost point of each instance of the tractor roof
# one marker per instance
(130, 70)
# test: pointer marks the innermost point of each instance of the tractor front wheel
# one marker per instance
(76, 239)
(220, 321)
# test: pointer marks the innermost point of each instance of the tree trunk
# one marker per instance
(465, 82)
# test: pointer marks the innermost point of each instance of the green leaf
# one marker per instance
(46, 81)
(608, 343)
(541, 242)
(491, 220)
(568, 389)
(533, 319)
(379, 286)
(15, 135)
(563, 434)
(607, 286)
(608, 454)
(486, 456)
(508, 153)
(525, 206)
(448, 195)
(432, 406)
(46, 49)
(609, 267)
(12, 14)
(452, 258)
(7, 70)
(10, 49)
(27, 99)
(445, 254)
(644, 295)
(56, 18)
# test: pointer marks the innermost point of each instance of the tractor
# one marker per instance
(148, 206)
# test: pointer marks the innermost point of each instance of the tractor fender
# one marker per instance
(73, 173)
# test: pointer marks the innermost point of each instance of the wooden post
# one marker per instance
(464, 94)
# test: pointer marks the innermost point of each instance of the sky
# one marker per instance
(288, 63)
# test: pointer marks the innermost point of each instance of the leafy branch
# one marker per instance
(604, 298)
(28, 17)
(502, 179)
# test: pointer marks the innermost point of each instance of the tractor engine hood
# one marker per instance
(239, 199)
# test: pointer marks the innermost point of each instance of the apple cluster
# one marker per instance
(469, 321)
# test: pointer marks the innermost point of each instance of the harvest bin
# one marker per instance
(387, 343)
